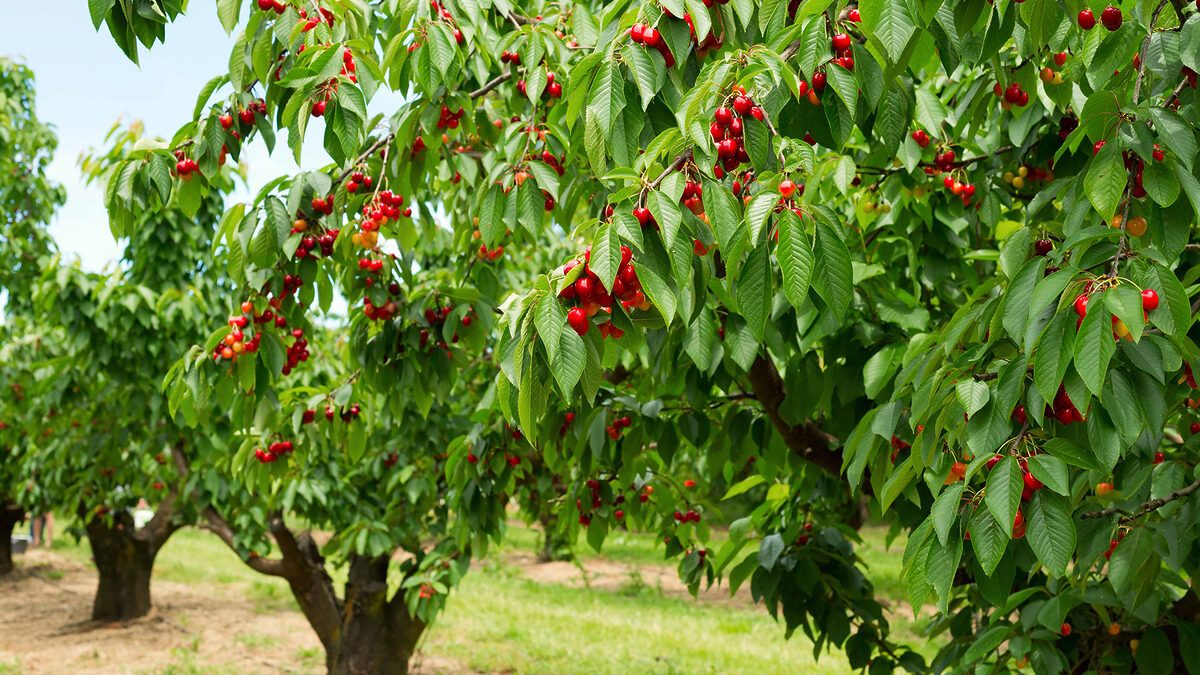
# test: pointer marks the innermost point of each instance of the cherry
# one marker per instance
(1080, 303)
(1159, 458)
(742, 105)
(637, 33)
(1149, 300)
(1031, 482)
(723, 116)
(651, 37)
(246, 116)
(855, 16)
(1087, 20)
(1018, 530)
(1060, 58)
(226, 120)
(1096, 148)
(578, 319)
(1043, 246)
(699, 247)
(318, 108)
(841, 42)
(818, 82)
(787, 188)
(1066, 629)
(1103, 488)
(921, 137)
(1019, 414)
(992, 462)
(643, 215)
(1111, 17)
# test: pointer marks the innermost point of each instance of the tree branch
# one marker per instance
(807, 440)
(1146, 507)
(492, 84)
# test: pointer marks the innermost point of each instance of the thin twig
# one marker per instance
(363, 157)
(1146, 507)
(495, 82)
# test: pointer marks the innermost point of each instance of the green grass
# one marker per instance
(12, 668)
(499, 620)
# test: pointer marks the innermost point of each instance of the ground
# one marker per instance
(623, 612)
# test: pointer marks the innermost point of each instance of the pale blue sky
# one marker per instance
(85, 84)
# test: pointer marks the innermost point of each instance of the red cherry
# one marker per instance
(1159, 458)
(1060, 58)
(318, 109)
(855, 16)
(1066, 629)
(1018, 530)
(1081, 302)
(991, 463)
(578, 320)
(1087, 20)
(699, 247)
(921, 137)
(643, 215)
(742, 105)
(1111, 17)
(1096, 148)
(818, 82)
(1031, 482)
(841, 42)
(787, 188)
(651, 37)
(723, 116)
(1149, 300)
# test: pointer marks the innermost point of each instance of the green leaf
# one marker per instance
(945, 510)
(723, 213)
(1176, 134)
(1155, 655)
(744, 485)
(1050, 530)
(768, 552)
(987, 641)
(1126, 303)
(754, 291)
(608, 98)
(1003, 496)
(1017, 298)
(1052, 471)
(1105, 181)
(1094, 348)
(972, 395)
(796, 258)
(605, 258)
(890, 22)
(572, 356)
(551, 320)
(227, 12)
(988, 539)
(832, 274)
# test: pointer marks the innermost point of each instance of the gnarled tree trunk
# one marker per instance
(11, 515)
(124, 557)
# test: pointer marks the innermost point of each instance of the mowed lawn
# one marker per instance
(502, 620)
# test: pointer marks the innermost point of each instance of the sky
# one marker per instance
(85, 84)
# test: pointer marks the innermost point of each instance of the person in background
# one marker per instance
(41, 528)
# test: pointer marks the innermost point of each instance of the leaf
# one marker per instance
(572, 356)
(1094, 348)
(988, 539)
(605, 258)
(744, 485)
(1105, 181)
(832, 272)
(1126, 303)
(987, 641)
(1050, 530)
(1017, 298)
(227, 12)
(1003, 496)
(754, 292)
(945, 510)
(1178, 136)
(551, 320)
(1052, 471)
(796, 258)
(723, 214)
(972, 395)
(768, 552)
(890, 22)
(608, 98)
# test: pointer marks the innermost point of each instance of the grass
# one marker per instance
(499, 620)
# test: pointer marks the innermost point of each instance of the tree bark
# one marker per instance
(807, 440)
(10, 516)
(124, 557)
(554, 545)
(376, 636)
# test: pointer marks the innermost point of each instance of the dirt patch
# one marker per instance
(45, 607)
(608, 575)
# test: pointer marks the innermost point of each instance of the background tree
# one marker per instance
(838, 229)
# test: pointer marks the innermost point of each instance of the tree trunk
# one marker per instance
(10, 516)
(554, 545)
(376, 636)
(124, 561)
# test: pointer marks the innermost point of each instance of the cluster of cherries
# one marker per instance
(553, 89)
(592, 296)
(448, 18)
(307, 244)
(568, 420)
(382, 208)
(727, 130)
(273, 452)
(510, 57)
(347, 414)
(593, 486)
(234, 343)
(246, 115)
(1120, 330)
(1026, 173)
(1110, 17)
(841, 46)
(620, 424)
(324, 16)
(297, 352)
(185, 166)
(273, 6)
(449, 119)
(802, 540)
(437, 317)
(688, 516)
(1013, 94)
(649, 37)
(356, 179)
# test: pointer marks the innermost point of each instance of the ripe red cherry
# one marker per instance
(651, 37)
(723, 116)
(226, 120)
(818, 82)
(1159, 458)
(578, 320)
(637, 33)
(643, 215)
(584, 288)
(1111, 17)
(1018, 530)
(1087, 20)
(1043, 246)
(841, 42)
(1081, 302)
(318, 109)
(1149, 300)
(1031, 482)
(1060, 58)
(1066, 629)
(699, 247)
(1195, 427)
(787, 188)
(1096, 148)
(992, 462)
(742, 105)
(921, 137)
